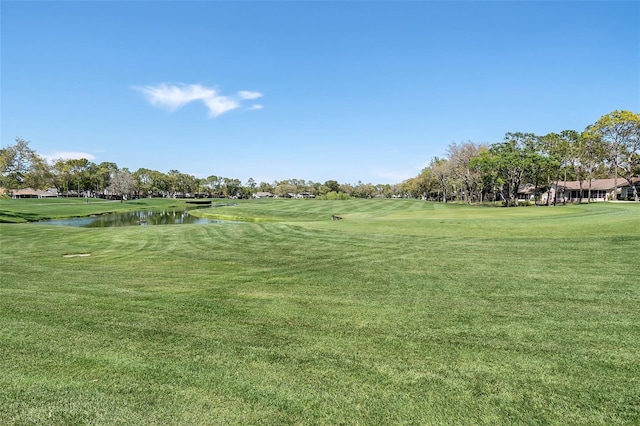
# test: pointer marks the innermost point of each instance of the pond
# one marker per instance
(133, 218)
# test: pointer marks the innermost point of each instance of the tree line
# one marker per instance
(468, 172)
(497, 172)
(22, 167)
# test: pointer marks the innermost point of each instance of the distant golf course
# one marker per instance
(403, 312)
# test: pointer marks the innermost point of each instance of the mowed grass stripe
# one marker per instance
(316, 321)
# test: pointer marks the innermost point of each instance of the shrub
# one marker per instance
(333, 195)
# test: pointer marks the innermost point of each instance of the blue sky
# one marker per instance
(351, 91)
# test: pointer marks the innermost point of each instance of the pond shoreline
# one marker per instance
(140, 217)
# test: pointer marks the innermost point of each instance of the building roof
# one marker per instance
(597, 184)
(32, 192)
(526, 189)
(25, 191)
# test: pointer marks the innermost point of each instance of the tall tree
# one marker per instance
(250, 187)
(266, 187)
(105, 172)
(187, 184)
(160, 185)
(556, 149)
(491, 183)
(513, 160)
(144, 178)
(541, 165)
(232, 187)
(61, 172)
(40, 175)
(16, 163)
(332, 185)
(441, 170)
(364, 190)
(214, 183)
(592, 154)
(574, 148)
(79, 171)
(620, 131)
(346, 188)
(284, 188)
(460, 156)
(422, 186)
(173, 180)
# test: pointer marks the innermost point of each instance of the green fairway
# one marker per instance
(404, 312)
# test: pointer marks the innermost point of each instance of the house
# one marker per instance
(263, 194)
(32, 193)
(526, 192)
(601, 190)
(300, 195)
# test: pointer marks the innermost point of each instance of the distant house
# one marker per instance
(262, 194)
(601, 190)
(300, 195)
(32, 193)
(526, 192)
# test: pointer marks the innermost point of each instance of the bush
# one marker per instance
(333, 195)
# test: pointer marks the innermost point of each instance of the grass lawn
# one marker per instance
(405, 312)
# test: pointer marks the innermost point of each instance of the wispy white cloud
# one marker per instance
(68, 155)
(256, 106)
(219, 105)
(243, 94)
(174, 96)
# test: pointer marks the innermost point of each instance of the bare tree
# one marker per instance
(123, 184)
(460, 156)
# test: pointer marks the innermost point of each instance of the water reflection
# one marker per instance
(133, 218)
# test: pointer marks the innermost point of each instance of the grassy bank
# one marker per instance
(404, 312)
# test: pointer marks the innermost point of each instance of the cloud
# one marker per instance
(219, 105)
(243, 94)
(174, 96)
(67, 155)
(256, 106)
